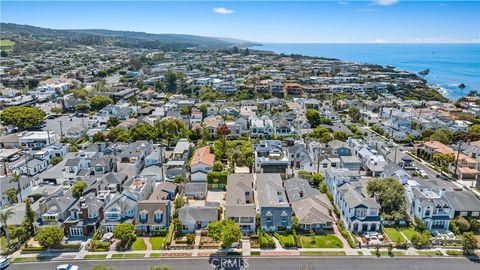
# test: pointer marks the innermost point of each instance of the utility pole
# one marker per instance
(395, 156)
(5, 170)
(458, 155)
(161, 163)
(61, 129)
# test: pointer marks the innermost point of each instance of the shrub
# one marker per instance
(287, 241)
(346, 235)
(169, 237)
(162, 232)
(454, 252)
(421, 240)
(190, 238)
(217, 177)
(265, 240)
(101, 246)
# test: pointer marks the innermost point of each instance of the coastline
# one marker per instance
(446, 71)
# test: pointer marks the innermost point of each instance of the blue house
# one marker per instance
(275, 211)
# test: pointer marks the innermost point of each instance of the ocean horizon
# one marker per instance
(450, 64)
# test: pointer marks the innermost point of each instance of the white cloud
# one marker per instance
(379, 40)
(222, 10)
(343, 3)
(385, 2)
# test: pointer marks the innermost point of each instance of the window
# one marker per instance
(269, 220)
(158, 216)
(361, 212)
(143, 217)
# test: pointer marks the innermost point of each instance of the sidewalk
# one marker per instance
(245, 251)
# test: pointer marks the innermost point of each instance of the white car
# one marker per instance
(4, 263)
(67, 267)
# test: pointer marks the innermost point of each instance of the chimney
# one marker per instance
(83, 208)
(41, 205)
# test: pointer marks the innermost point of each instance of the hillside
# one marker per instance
(22, 34)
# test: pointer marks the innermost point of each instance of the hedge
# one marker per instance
(454, 252)
(169, 237)
(217, 177)
(346, 235)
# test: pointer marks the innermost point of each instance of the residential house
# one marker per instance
(275, 212)
(240, 204)
(85, 216)
(197, 191)
(194, 217)
(270, 157)
(201, 164)
(153, 214)
(312, 208)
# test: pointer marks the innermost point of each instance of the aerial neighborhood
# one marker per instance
(111, 151)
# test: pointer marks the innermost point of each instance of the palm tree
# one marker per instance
(4, 216)
(16, 179)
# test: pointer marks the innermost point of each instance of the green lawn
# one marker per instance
(30, 259)
(157, 242)
(394, 235)
(139, 244)
(429, 253)
(322, 253)
(155, 255)
(3, 244)
(255, 253)
(95, 257)
(408, 232)
(360, 253)
(127, 255)
(321, 241)
(394, 253)
(286, 240)
(134, 255)
(6, 43)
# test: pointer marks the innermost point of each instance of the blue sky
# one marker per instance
(270, 21)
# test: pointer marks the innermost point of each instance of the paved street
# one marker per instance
(287, 263)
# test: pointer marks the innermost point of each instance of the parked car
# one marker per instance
(4, 263)
(14, 158)
(67, 267)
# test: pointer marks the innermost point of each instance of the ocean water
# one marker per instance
(449, 64)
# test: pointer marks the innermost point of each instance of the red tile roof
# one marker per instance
(203, 155)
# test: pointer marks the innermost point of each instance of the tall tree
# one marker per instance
(313, 117)
(391, 196)
(78, 188)
(4, 217)
(50, 236)
(22, 117)
(29, 217)
(469, 243)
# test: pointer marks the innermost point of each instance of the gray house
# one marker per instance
(240, 205)
(312, 208)
(351, 163)
(275, 212)
(197, 217)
